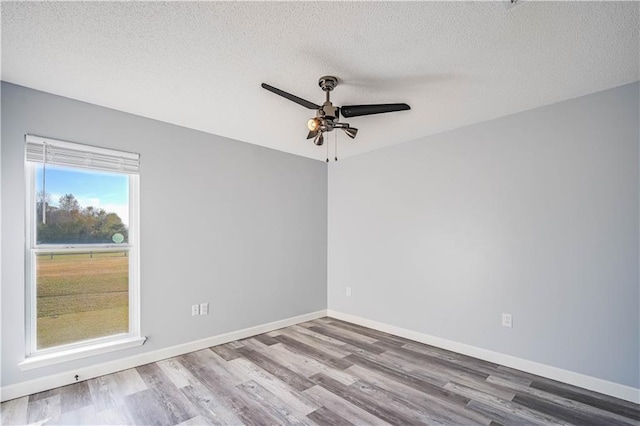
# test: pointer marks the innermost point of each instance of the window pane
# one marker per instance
(82, 206)
(81, 296)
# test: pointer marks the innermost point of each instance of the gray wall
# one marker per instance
(236, 225)
(534, 214)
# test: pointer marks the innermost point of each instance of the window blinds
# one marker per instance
(51, 151)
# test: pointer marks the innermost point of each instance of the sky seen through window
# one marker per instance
(98, 189)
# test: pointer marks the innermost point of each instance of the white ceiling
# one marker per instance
(200, 64)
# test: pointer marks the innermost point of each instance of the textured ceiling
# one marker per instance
(200, 64)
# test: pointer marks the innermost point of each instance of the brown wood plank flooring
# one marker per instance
(325, 372)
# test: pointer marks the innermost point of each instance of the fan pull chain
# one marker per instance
(335, 141)
(327, 152)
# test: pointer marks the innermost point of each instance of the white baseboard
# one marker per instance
(617, 390)
(61, 379)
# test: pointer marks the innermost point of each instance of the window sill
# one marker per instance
(43, 360)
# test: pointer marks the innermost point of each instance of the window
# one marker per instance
(82, 250)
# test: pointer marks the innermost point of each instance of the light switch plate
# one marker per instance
(204, 309)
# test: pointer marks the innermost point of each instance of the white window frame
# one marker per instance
(38, 358)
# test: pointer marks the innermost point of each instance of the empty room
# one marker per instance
(320, 213)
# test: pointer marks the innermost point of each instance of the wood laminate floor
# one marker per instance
(324, 372)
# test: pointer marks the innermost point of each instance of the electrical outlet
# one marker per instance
(348, 291)
(507, 320)
(195, 310)
(204, 309)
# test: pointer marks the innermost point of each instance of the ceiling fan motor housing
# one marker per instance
(329, 111)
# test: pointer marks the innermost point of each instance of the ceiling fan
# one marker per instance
(328, 116)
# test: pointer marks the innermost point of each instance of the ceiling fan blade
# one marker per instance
(312, 134)
(357, 110)
(291, 97)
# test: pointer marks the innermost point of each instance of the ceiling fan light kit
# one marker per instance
(328, 116)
